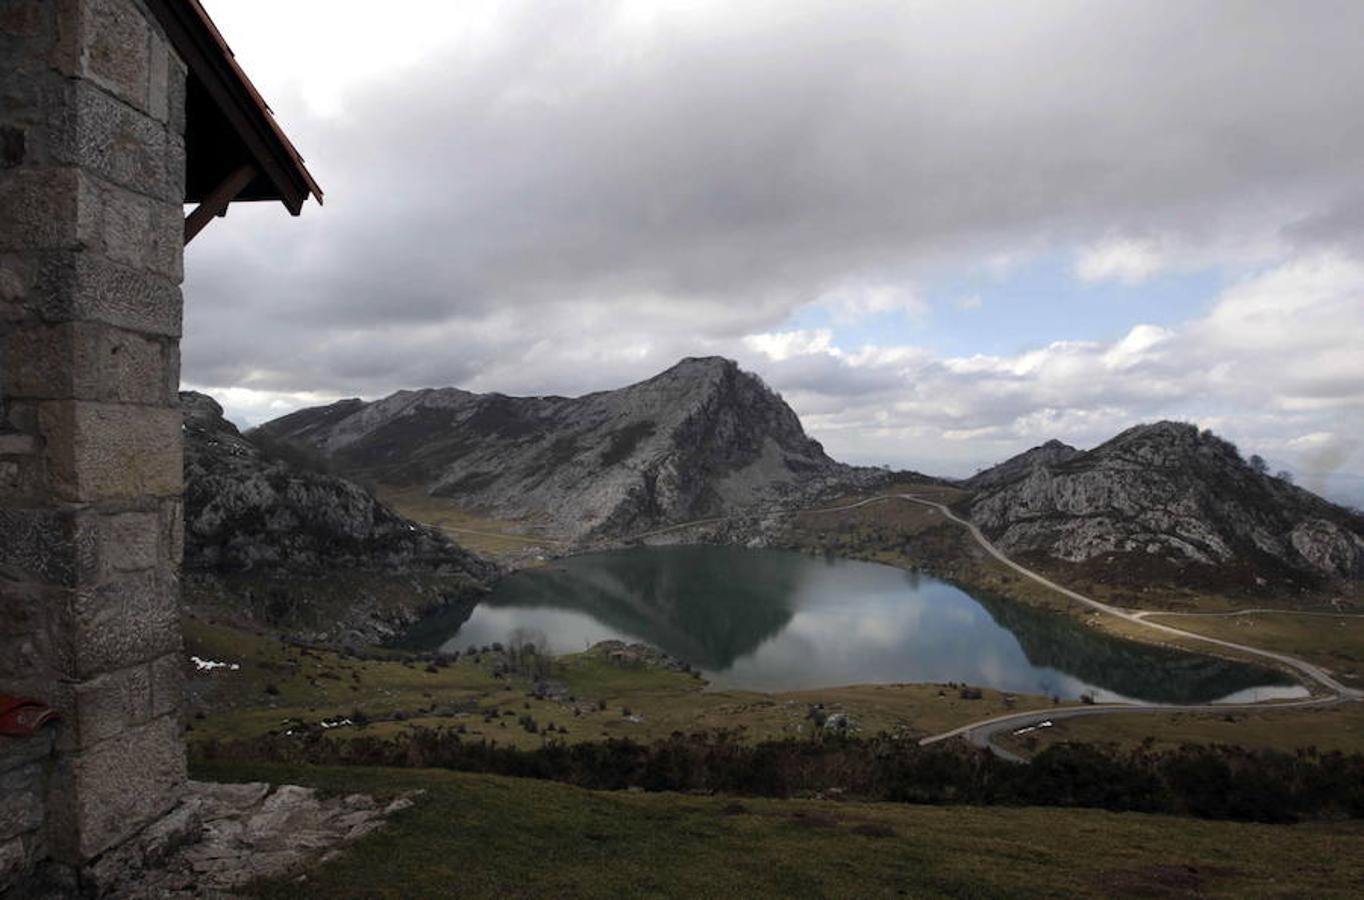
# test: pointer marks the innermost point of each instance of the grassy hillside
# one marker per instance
(483, 836)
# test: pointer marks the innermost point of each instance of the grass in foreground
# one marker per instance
(474, 835)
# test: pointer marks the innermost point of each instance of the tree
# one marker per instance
(1285, 476)
(1257, 462)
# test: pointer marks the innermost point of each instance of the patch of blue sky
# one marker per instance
(1029, 306)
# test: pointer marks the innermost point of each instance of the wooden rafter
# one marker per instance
(215, 204)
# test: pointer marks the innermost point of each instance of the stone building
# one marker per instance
(114, 114)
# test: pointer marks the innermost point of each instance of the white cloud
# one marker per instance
(786, 344)
(565, 197)
(1127, 261)
(1139, 345)
(854, 302)
(1275, 365)
(968, 302)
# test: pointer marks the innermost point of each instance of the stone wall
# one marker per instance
(92, 166)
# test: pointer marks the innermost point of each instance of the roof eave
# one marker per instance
(202, 47)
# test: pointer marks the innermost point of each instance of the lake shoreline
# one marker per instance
(745, 639)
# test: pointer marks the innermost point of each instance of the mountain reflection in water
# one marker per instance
(778, 620)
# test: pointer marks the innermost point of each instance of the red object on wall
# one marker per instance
(20, 717)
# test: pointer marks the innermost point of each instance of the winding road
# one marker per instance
(979, 733)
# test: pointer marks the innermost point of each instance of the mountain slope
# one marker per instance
(261, 522)
(699, 439)
(1173, 496)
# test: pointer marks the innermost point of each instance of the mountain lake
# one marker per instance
(773, 620)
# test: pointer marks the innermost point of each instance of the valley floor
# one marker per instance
(486, 836)
(278, 685)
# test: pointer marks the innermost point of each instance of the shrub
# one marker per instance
(1211, 782)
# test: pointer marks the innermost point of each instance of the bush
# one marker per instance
(1211, 782)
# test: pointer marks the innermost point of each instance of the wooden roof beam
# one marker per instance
(215, 204)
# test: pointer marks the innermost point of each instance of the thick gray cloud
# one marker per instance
(581, 201)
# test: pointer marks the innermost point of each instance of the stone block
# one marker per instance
(166, 252)
(168, 684)
(173, 530)
(177, 84)
(127, 620)
(105, 794)
(159, 70)
(130, 228)
(123, 229)
(19, 416)
(95, 131)
(89, 286)
(102, 451)
(17, 275)
(40, 206)
(85, 361)
(129, 541)
(33, 653)
(23, 481)
(22, 18)
(20, 751)
(48, 545)
(106, 706)
(171, 371)
(13, 862)
(22, 799)
(116, 50)
(18, 445)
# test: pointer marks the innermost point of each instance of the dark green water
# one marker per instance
(776, 620)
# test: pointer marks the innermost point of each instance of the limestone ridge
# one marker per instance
(1171, 495)
(699, 439)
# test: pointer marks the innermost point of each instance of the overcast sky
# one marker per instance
(945, 231)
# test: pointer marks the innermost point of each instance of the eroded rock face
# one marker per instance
(1172, 493)
(248, 509)
(221, 837)
(697, 440)
(1328, 547)
(255, 512)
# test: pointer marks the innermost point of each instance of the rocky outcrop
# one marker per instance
(269, 532)
(222, 837)
(701, 439)
(1052, 453)
(1172, 494)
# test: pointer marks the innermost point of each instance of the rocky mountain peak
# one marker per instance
(700, 437)
(1171, 495)
(1053, 452)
